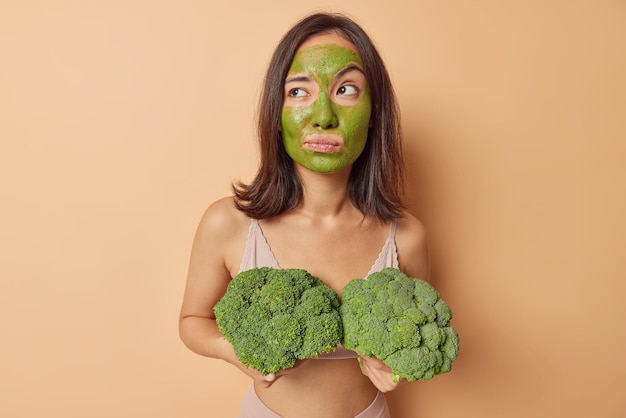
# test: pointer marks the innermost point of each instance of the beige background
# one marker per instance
(120, 121)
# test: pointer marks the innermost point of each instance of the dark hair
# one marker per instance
(377, 178)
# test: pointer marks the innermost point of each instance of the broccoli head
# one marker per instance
(274, 316)
(401, 321)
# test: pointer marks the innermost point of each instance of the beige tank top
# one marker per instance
(258, 253)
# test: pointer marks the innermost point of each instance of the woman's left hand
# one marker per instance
(378, 372)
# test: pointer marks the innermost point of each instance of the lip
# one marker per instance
(325, 144)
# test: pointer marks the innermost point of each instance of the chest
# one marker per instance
(334, 254)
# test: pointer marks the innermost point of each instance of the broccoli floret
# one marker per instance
(403, 333)
(401, 321)
(321, 335)
(273, 317)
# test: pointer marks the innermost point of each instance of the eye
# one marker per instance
(348, 90)
(297, 92)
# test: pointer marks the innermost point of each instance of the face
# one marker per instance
(327, 106)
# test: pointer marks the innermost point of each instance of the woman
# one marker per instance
(326, 198)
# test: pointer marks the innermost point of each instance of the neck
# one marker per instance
(324, 194)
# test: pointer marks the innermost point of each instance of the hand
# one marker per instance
(378, 372)
(268, 380)
(228, 355)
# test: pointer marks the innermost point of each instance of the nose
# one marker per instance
(324, 116)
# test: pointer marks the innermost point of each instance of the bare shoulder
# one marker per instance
(411, 234)
(215, 256)
(412, 243)
(222, 219)
(222, 232)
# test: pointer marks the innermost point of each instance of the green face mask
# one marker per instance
(326, 108)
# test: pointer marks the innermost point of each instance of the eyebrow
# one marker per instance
(343, 71)
(348, 69)
(298, 78)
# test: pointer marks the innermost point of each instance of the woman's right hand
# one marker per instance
(261, 379)
(270, 379)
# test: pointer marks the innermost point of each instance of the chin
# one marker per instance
(329, 170)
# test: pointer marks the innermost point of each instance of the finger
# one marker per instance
(362, 365)
(377, 364)
(298, 364)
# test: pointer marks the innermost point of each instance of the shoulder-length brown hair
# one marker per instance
(376, 181)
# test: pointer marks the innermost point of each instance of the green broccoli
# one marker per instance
(274, 316)
(401, 321)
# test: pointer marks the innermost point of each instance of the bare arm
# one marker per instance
(207, 280)
(215, 256)
(211, 266)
